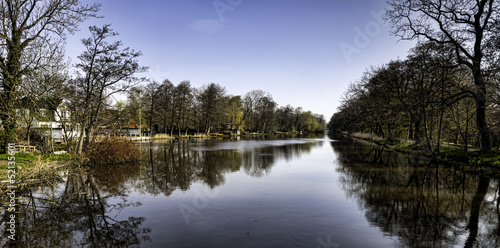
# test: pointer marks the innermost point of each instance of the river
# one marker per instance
(296, 192)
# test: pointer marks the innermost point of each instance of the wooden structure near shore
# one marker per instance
(28, 149)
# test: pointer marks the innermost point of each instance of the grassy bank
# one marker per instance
(487, 163)
(454, 156)
(33, 169)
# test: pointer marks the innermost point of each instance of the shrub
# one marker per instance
(111, 150)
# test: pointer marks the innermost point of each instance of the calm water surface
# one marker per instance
(301, 192)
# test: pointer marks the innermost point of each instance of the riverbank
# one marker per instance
(32, 169)
(473, 160)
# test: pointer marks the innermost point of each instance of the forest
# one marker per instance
(427, 98)
(448, 88)
(182, 109)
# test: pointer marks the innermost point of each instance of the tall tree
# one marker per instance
(30, 36)
(212, 105)
(465, 25)
(265, 117)
(151, 100)
(104, 69)
(285, 118)
(183, 99)
(249, 107)
(136, 105)
(166, 100)
(234, 112)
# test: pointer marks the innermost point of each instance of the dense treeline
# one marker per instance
(39, 89)
(182, 109)
(428, 98)
(447, 89)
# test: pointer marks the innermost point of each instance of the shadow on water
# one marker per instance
(83, 211)
(422, 204)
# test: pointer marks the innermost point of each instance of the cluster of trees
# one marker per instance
(32, 37)
(37, 84)
(447, 89)
(426, 98)
(179, 109)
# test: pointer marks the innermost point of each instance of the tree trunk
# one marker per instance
(417, 133)
(80, 141)
(11, 79)
(441, 116)
(481, 104)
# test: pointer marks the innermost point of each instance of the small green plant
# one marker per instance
(56, 157)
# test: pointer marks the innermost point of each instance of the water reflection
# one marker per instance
(83, 211)
(175, 166)
(423, 205)
(95, 208)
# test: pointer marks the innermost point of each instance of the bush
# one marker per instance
(111, 150)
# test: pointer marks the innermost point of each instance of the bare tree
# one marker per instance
(30, 35)
(249, 107)
(211, 99)
(183, 98)
(464, 24)
(104, 69)
(151, 100)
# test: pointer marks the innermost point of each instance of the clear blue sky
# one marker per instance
(304, 52)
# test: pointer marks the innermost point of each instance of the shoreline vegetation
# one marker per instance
(451, 155)
(48, 100)
(34, 169)
(37, 169)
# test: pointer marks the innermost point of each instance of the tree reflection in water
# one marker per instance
(175, 166)
(84, 212)
(424, 205)
(90, 209)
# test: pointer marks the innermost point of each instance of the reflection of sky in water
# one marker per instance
(251, 144)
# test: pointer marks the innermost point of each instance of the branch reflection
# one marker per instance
(83, 211)
(175, 166)
(422, 204)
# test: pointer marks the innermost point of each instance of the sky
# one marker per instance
(303, 52)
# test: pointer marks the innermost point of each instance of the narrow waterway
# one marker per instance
(297, 192)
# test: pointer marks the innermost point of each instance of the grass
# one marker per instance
(487, 163)
(28, 160)
(450, 155)
(33, 169)
(474, 158)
